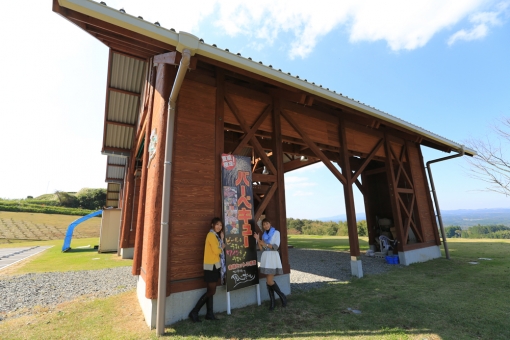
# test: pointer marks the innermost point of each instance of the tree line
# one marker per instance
(86, 198)
(298, 226)
(479, 231)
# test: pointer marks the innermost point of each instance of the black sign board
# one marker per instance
(237, 194)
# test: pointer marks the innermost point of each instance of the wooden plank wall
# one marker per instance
(421, 188)
(193, 178)
(378, 194)
(152, 222)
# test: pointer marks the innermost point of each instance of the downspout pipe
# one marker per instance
(165, 199)
(436, 202)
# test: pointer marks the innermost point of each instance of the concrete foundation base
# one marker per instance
(127, 253)
(419, 255)
(178, 305)
(356, 267)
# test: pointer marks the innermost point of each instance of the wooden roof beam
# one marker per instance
(121, 39)
(79, 17)
(298, 163)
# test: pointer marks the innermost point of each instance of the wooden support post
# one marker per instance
(280, 190)
(370, 216)
(152, 224)
(127, 212)
(394, 196)
(137, 256)
(219, 139)
(348, 191)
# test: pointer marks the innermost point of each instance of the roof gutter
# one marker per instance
(434, 194)
(165, 200)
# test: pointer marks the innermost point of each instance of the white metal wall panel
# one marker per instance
(127, 73)
(114, 187)
(115, 172)
(122, 107)
(117, 160)
(119, 136)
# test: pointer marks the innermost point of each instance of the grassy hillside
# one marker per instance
(25, 226)
(80, 203)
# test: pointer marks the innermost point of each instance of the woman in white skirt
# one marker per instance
(270, 263)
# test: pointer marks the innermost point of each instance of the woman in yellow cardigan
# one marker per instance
(214, 269)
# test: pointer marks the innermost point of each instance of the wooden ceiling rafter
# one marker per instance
(123, 40)
(128, 51)
(298, 163)
(118, 150)
(315, 149)
(251, 133)
(129, 93)
(237, 70)
(141, 39)
(267, 198)
(367, 160)
(360, 186)
(400, 163)
(112, 122)
(254, 142)
(301, 146)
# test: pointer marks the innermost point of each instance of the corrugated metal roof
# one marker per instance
(115, 173)
(112, 195)
(119, 136)
(126, 76)
(117, 160)
(122, 107)
(115, 169)
(184, 40)
(127, 73)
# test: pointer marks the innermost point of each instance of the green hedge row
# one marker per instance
(30, 203)
(42, 202)
(44, 210)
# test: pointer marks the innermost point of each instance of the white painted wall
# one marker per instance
(178, 305)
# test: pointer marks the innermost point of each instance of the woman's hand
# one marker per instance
(222, 235)
(256, 236)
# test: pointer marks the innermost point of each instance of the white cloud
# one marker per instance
(481, 24)
(299, 25)
(301, 193)
(297, 182)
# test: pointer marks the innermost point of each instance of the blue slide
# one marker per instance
(70, 229)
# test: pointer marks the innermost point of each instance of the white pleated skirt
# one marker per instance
(270, 262)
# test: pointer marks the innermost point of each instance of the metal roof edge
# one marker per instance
(124, 20)
(184, 40)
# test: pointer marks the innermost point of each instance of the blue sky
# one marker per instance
(441, 65)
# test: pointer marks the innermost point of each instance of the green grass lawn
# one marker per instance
(439, 299)
(338, 243)
(53, 259)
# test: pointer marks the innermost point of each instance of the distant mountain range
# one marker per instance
(462, 217)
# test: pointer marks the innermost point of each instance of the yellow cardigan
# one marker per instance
(212, 252)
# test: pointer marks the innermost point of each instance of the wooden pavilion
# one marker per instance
(174, 104)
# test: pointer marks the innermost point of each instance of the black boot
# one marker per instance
(282, 296)
(193, 315)
(271, 296)
(210, 309)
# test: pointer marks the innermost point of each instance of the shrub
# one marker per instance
(43, 209)
(91, 198)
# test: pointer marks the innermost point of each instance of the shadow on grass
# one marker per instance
(81, 250)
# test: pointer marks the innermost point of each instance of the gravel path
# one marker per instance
(315, 268)
(49, 289)
(310, 269)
